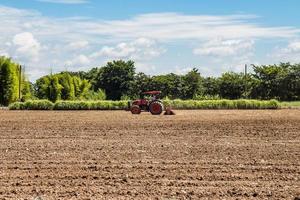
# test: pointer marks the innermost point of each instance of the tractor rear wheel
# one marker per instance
(156, 108)
(135, 110)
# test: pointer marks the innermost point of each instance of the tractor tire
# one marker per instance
(156, 108)
(135, 110)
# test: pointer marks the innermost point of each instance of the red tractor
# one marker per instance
(153, 105)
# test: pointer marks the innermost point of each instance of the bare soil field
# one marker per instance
(209, 154)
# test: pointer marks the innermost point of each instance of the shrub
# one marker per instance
(90, 105)
(72, 105)
(222, 104)
(32, 105)
(16, 106)
(121, 105)
(95, 96)
(206, 97)
(38, 105)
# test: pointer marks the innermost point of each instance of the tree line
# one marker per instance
(118, 80)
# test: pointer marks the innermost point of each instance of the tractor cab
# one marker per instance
(152, 95)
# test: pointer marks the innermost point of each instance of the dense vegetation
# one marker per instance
(121, 105)
(281, 82)
(10, 80)
(118, 80)
(62, 86)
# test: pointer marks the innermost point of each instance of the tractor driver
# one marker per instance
(154, 97)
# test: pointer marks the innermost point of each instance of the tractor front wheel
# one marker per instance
(135, 110)
(156, 108)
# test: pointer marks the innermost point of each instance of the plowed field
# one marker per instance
(210, 154)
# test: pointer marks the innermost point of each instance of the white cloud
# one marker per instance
(293, 47)
(288, 53)
(5, 54)
(146, 68)
(158, 27)
(226, 55)
(174, 26)
(78, 44)
(79, 61)
(84, 60)
(224, 47)
(65, 1)
(122, 50)
(180, 70)
(140, 49)
(26, 45)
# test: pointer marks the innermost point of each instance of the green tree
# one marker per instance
(211, 86)
(9, 81)
(277, 81)
(27, 90)
(61, 86)
(141, 83)
(68, 90)
(54, 89)
(269, 79)
(193, 84)
(116, 78)
(232, 85)
(171, 85)
(292, 82)
(48, 87)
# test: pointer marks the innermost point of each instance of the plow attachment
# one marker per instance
(169, 111)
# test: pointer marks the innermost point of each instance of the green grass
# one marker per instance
(290, 104)
(121, 105)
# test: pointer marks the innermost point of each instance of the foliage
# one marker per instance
(95, 96)
(211, 86)
(61, 86)
(90, 105)
(72, 105)
(290, 104)
(193, 83)
(16, 106)
(27, 91)
(141, 83)
(222, 104)
(118, 80)
(9, 81)
(121, 105)
(232, 85)
(281, 81)
(206, 97)
(115, 78)
(32, 105)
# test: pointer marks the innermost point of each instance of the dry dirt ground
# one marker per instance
(209, 154)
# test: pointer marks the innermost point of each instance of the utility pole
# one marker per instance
(246, 82)
(51, 83)
(20, 81)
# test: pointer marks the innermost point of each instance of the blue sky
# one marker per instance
(160, 36)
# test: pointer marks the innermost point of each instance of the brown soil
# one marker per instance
(116, 155)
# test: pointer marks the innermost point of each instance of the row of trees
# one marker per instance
(119, 80)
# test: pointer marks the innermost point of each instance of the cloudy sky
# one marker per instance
(160, 36)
